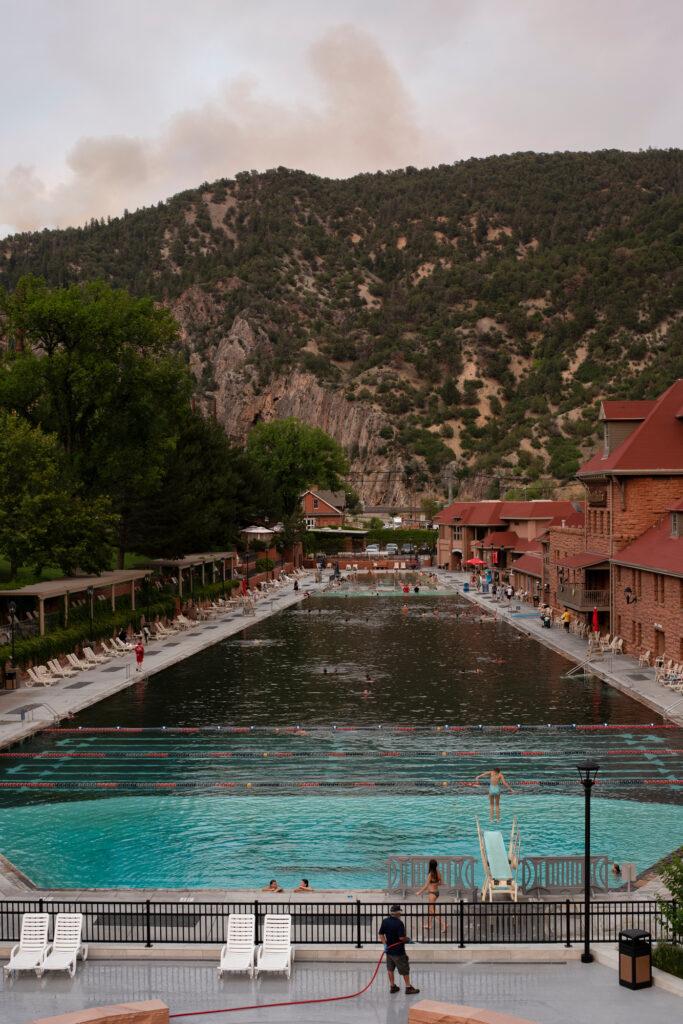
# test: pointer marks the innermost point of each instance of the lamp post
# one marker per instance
(588, 771)
(89, 591)
(12, 620)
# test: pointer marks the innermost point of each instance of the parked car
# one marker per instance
(392, 549)
(408, 549)
(372, 549)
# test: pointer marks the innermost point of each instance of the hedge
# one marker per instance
(39, 649)
(669, 958)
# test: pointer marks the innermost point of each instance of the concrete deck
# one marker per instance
(551, 993)
(620, 671)
(43, 706)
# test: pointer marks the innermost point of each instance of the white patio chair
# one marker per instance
(239, 950)
(36, 679)
(605, 642)
(76, 662)
(29, 952)
(111, 648)
(124, 648)
(58, 669)
(616, 646)
(92, 658)
(276, 953)
(66, 946)
(644, 659)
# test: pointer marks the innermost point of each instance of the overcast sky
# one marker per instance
(108, 104)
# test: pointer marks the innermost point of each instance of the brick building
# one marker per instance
(495, 531)
(323, 508)
(633, 487)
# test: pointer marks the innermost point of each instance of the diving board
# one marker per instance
(500, 865)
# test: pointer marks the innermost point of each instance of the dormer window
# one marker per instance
(315, 503)
(675, 524)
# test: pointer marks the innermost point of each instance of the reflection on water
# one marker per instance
(366, 660)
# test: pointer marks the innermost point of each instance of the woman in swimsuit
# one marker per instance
(431, 887)
(496, 780)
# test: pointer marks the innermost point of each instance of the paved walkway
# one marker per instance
(26, 711)
(620, 671)
(551, 993)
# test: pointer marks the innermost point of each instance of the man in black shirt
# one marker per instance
(392, 933)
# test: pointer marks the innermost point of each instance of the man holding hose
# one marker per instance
(392, 933)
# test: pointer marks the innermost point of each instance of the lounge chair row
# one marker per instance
(33, 952)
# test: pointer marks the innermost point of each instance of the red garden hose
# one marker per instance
(293, 1002)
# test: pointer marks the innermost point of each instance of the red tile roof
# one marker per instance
(656, 550)
(583, 560)
(655, 446)
(493, 513)
(500, 539)
(451, 512)
(531, 565)
(629, 411)
(528, 545)
(536, 509)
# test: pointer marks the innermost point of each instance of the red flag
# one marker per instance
(596, 621)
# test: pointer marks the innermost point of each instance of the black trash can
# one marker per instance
(635, 958)
(11, 681)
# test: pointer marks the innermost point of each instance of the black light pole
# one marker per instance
(588, 771)
(12, 620)
(89, 591)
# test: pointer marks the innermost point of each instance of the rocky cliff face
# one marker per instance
(238, 402)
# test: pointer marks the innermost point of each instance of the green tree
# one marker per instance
(288, 457)
(96, 367)
(430, 506)
(207, 491)
(42, 518)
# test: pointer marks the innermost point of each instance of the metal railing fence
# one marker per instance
(350, 923)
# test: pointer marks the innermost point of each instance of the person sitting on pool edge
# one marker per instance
(272, 887)
(303, 886)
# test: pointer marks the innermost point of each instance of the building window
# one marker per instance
(675, 524)
(639, 634)
(637, 582)
(660, 590)
(618, 625)
(315, 503)
(618, 574)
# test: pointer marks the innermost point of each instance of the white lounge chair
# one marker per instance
(276, 953)
(124, 648)
(94, 659)
(30, 951)
(66, 946)
(76, 662)
(111, 648)
(239, 950)
(500, 866)
(36, 679)
(58, 669)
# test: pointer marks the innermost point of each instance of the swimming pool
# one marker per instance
(358, 726)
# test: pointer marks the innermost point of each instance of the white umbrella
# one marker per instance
(257, 531)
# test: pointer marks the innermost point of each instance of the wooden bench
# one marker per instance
(428, 1011)
(151, 1011)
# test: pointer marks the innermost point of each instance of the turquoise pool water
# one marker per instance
(339, 843)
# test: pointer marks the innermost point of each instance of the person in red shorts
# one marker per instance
(139, 655)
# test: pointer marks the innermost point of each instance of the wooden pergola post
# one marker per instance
(180, 581)
(113, 597)
(41, 616)
(203, 574)
(132, 595)
(66, 609)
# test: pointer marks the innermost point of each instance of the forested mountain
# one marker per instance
(444, 320)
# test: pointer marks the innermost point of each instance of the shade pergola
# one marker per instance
(192, 562)
(50, 589)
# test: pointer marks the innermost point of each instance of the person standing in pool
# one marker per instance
(431, 887)
(496, 780)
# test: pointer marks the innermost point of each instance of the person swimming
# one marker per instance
(496, 781)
